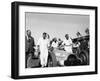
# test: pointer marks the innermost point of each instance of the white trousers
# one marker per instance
(43, 57)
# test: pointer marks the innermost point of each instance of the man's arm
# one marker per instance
(33, 42)
(71, 43)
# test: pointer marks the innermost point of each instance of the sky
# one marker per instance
(56, 25)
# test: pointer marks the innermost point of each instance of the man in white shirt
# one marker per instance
(67, 44)
(54, 43)
(43, 44)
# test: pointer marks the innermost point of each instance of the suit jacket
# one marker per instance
(29, 44)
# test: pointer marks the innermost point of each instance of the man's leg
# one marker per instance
(28, 60)
(26, 57)
(42, 60)
(46, 59)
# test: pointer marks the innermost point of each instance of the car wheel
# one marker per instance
(84, 57)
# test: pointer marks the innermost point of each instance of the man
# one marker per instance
(54, 43)
(67, 44)
(29, 44)
(43, 44)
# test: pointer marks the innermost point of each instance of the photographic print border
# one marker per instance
(15, 39)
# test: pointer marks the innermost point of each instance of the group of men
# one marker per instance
(43, 44)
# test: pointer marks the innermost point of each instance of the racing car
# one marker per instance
(57, 56)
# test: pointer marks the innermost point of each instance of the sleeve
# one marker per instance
(48, 43)
(33, 42)
(70, 41)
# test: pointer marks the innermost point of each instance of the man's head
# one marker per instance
(28, 32)
(59, 39)
(55, 39)
(44, 35)
(67, 36)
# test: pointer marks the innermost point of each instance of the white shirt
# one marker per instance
(43, 43)
(67, 42)
(54, 44)
(68, 45)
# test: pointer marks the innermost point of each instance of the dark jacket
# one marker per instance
(29, 44)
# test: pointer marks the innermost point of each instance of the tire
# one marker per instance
(84, 57)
